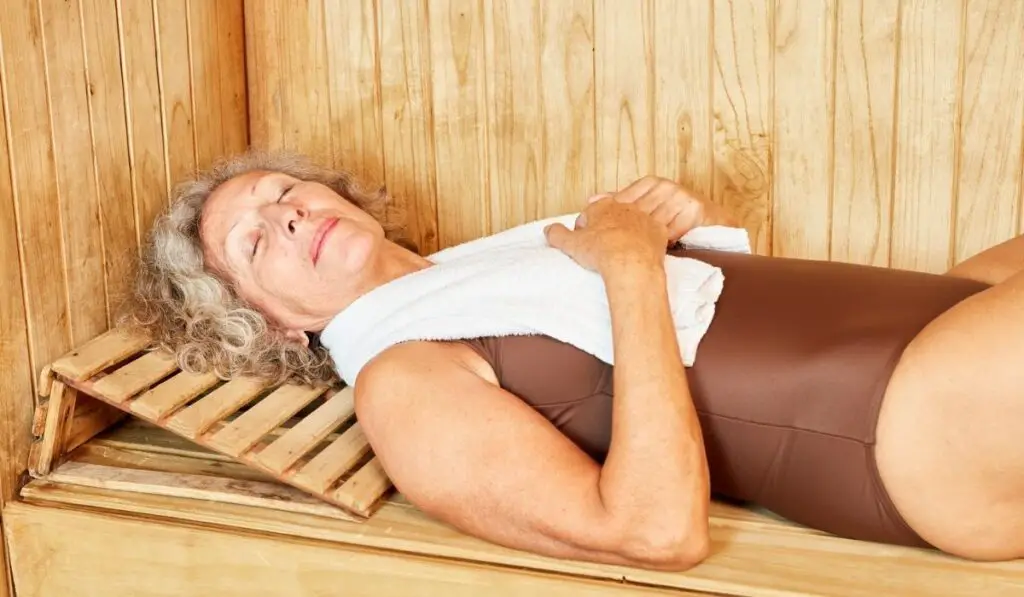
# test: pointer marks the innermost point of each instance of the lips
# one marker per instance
(318, 238)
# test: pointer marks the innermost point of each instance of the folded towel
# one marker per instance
(513, 283)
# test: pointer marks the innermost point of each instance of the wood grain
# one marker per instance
(743, 115)
(34, 177)
(144, 110)
(541, 98)
(193, 560)
(459, 94)
(991, 136)
(175, 62)
(684, 135)
(107, 111)
(353, 86)
(407, 120)
(866, 40)
(926, 136)
(624, 75)
(804, 85)
(73, 157)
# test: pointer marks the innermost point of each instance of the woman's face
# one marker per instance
(295, 250)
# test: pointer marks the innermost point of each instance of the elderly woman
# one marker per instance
(871, 403)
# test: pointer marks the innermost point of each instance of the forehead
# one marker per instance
(222, 210)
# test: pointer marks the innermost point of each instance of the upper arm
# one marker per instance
(476, 457)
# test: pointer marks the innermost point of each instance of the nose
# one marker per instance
(287, 216)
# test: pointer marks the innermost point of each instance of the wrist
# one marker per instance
(635, 269)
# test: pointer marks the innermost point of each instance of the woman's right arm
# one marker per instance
(470, 454)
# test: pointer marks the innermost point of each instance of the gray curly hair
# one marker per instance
(188, 310)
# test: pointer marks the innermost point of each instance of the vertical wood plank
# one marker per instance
(866, 67)
(217, 49)
(288, 100)
(930, 44)
(541, 96)
(76, 178)
(804, 84)
(34, 178)
(684, 140)
(460, 120)
(145, 110)
(624, 71)
(16, 381)
(991, 130)
(407, 116)
(172, 42)
(107, 111)
(743, 117)
(354, 88)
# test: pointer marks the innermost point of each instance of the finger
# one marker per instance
(636, 190)
(557, 235)
(598, 197)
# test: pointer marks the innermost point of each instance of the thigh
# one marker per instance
(949, 446)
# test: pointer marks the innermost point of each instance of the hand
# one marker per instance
(671, 205)
(611, 232)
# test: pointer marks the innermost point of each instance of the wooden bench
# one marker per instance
(203, 473)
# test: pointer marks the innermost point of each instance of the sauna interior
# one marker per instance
(885, 132)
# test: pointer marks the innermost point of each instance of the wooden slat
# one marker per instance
(136, 376)
(107, 112)
(172, 42)
(351, 53)
(863, 139)
(684, 142)
(244, 432)
(460, 119)
(743, 114)
(171, 395)
(76, 178)
(34, 184)
(200, 416)
(105, 350)
(751, 554)
(59, 411)
(332, 462)
(624, 85)
(307, 433)
(804, 88)
(926, 140)
(182, 560)
(991, 133)
(408, 128)
(541, 108)
(144, 110)
(363, 489)
(262, 494)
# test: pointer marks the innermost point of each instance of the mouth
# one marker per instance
(319, 237)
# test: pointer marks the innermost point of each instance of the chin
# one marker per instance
(358, 251)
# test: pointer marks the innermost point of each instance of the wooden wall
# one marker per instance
(872, 131)
(105, 103)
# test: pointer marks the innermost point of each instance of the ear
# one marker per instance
(297, 336)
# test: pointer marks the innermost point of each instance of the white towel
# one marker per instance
(513, 283)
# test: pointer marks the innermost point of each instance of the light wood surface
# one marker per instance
(870, 131)
(754, 553)
(141, 558)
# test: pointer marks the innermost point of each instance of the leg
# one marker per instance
(950, 448)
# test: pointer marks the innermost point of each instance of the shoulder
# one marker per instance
(412, 368)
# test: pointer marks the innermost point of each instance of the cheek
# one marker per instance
(357, 249)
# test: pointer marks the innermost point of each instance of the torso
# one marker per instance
(788, 381)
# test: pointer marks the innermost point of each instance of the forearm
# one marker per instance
(655, 475)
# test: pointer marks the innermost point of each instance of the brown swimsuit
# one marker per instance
(788, 382)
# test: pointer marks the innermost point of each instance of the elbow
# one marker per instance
(675, 549)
